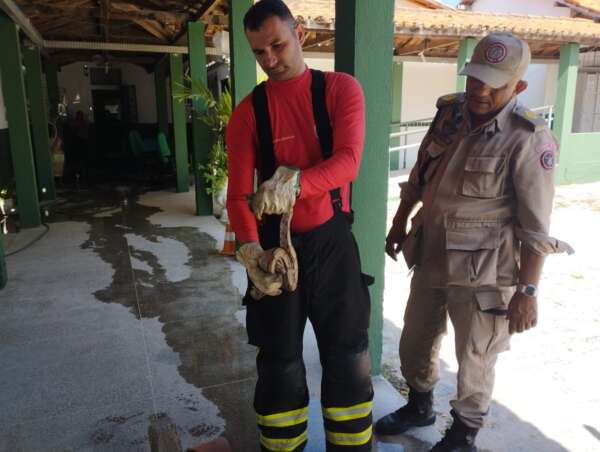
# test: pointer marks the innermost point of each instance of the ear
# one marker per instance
(301, 33)
(521, 86)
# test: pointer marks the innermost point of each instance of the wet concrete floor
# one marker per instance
(121, 329)
(113, 328)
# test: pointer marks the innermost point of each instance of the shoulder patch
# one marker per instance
(531, 118)
(450, 99)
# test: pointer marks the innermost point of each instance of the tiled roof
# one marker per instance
(592, 6)
(324, 10)
(455, 23)
(433, 4)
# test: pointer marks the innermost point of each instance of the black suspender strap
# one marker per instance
(324, 130)
(265, 162)
(266, 152)
(269, 230)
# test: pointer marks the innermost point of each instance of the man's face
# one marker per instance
(278, 48)
(482, 99)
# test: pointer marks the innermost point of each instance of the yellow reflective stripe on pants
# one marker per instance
(283, 444)
(285, 419)
(348, 413)
(349, 439)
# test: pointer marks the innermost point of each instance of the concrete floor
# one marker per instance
(121, 329)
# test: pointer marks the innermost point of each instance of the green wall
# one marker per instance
(579, 153)
(583, 163)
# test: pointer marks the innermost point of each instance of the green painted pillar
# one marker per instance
(397, 83)
(366, 29)
(465, 52)
(160, 86)
(200, 132)
(39, 124)
(3, 273)
(179, 125)
(51, 71)
(13, 87)
(565, 105)
(243, 64)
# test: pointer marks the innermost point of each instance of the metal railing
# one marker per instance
(545, 111)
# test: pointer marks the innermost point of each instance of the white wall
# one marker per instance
(535, 94)
(72, 81)
(3, 122)
(423, 84)
(532, 7)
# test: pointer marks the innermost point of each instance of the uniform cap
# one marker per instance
(497, 59)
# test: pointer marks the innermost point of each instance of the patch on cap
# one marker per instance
(496, 53)
(547, 159)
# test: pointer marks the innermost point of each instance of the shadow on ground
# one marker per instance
(505, 431)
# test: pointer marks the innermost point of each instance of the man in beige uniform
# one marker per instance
(485, 177)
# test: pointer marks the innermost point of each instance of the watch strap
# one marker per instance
(529, 290)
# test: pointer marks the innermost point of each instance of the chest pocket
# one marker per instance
(482, 177)
(433, 158)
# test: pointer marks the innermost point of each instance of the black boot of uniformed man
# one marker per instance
(418, 412)
(458, 438)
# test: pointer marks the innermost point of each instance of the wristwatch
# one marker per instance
(529, 290)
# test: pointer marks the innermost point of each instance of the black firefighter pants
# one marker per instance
(333, 294)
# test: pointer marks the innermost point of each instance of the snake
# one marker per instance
(282, 260)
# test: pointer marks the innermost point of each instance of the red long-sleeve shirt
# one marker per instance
(296, 144)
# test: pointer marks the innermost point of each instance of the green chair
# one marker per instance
(164, 149)
(136, 144)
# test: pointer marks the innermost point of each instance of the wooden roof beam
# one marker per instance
(206, 10)
(153, 27)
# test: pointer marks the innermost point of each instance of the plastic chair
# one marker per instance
(136, 144)
(164, 149)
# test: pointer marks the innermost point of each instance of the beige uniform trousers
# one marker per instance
(481, 332)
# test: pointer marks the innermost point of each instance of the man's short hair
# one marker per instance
(263, 9)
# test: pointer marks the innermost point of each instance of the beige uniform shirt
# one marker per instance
(485, 192)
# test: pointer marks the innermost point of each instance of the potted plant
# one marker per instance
(215, 115)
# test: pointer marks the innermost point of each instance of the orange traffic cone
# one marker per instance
(229, 242)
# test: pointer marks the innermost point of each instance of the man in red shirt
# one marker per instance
(312, 163)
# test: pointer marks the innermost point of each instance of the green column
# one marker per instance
(565, 105)
(200, 132)
(465, 51)
(243, 64)
(3, 274)
(13, 86)
(366, 29)
(160, 87)
(397, 83)
(179, 125)
(39, 124)
(51, 71)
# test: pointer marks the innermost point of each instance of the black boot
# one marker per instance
(458, 438)
(418, 412)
